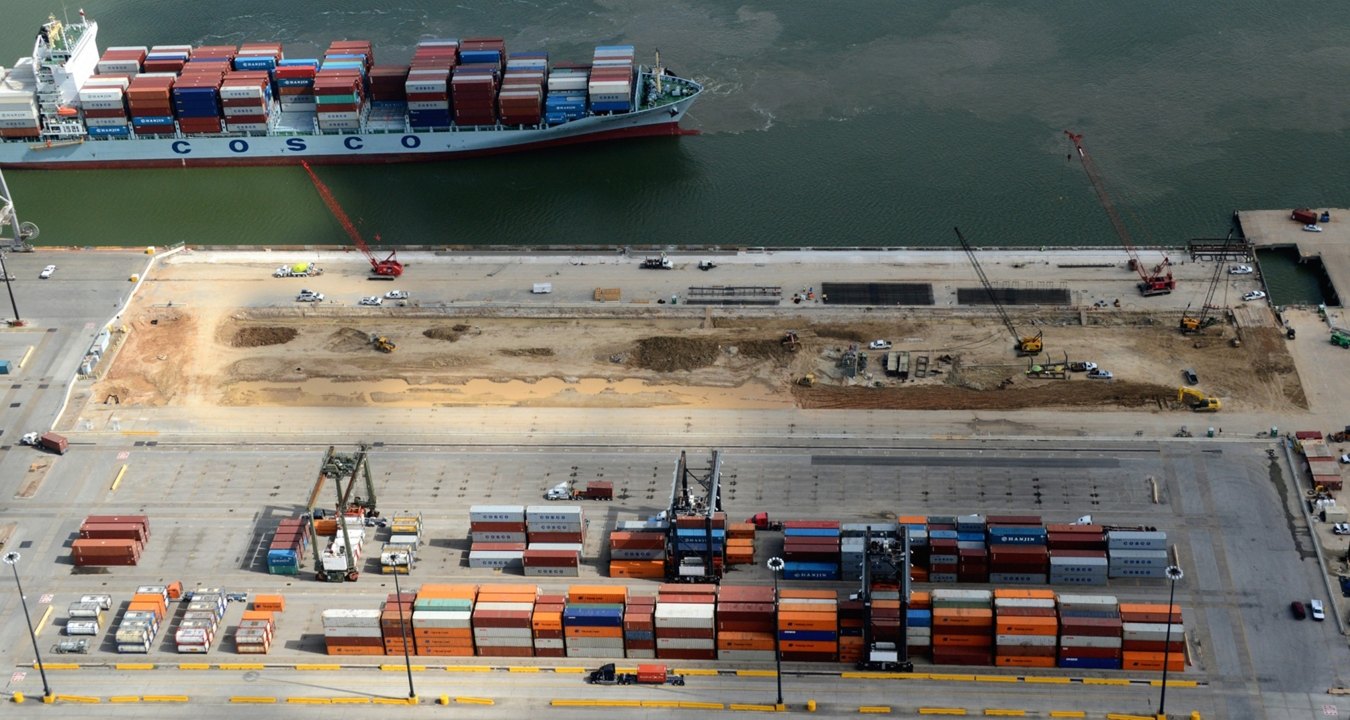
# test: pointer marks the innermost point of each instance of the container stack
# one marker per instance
(1017, 551)
(104, 105)
(388, 86)
(264, 57)
(295, 84)
(196, 97)
(18, 102)
(140, 623)
(167, 59)
(885, 620)
(87, 615)
(685, 622)
(111, 540)
(566, 99)
(552, 560)
(396, 614)
(121, 61)
(353, 632)
(406, 529)
(201, 622)
(741, 544)
(1151, 635)
(811, 550)
(521, 100)
(1025, 628)
(919, 619)
(639, 627)
(503, 620)
(593, 621)
(555, 524)
(943, 550)
(399, 557)
(546, 625)
(1137, 554)
(1077, 554)
(289, 546)
(746, 621)
(963, 623)
(246, 100)
(808, 625)
(220, 57)
(611, 80)
(852, 620)
(427, 90)
(691, 548)
(972, 550)
(150, 103)
(355, 55)
(1089, 632)
(917, 528)
(490, 51)
(339, 96)
(497, 537)
(255, 632)
(637, 553)
(442, 620)
(473, 90)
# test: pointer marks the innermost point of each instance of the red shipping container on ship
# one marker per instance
(174, 66)
(293, 72)
(96, 113)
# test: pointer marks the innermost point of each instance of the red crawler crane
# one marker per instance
(386, 269)
(1155, 282)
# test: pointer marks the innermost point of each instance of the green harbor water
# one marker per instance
(868, 123)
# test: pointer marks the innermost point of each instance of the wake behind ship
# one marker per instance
(68, 106)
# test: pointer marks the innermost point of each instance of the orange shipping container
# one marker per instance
(912, 520)
(744, 641)
(788, 606)
(273, 603)
(1024, 661)
(645, 569)
(257, 615)
(450, 591)
(807, 621)
(586, 631)
(920, 600)
(1152, 661)
(963, 640)
(596, 594)
(962, 617)
(1023, 594)
(354, 650)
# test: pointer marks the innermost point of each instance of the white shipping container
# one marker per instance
(479, 536)
(549, 643)
(27, 114)
(438, 105)
(241, 92)
(1025, 640)
(575, 547)
(350, 618)
(1091, 641)
(552, 571)
(686, 644)
(19, 124)
(96, 83)
(1088, 602)
(105, 105)
(563, 84)
(497, 513)
(82, 627)
(132, 48)
(245, 127)
(361, 632)
(1151, 631)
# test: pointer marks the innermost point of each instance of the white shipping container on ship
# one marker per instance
(245, 127)
(431, 105)
(609, 86)
(82, 627)
(15, 112)
(19, 124)
(1087, 602)
(361, 632)
(128, 48)
(1025, 640)
(497, 513)
(298, 103)
(96, 83)
(350, 618)
(428, 85)
(119, 67)
(1092, 641)
(562, 83)
(104, 105)
(249, 111)
(327, 124)
(241, 92)
(550, 513)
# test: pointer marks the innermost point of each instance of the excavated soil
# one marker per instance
(668, 354)
(261, 336)
(1066, 394)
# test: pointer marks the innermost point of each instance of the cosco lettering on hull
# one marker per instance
(294, 145)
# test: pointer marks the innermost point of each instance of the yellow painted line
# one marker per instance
(76, 666)
(1067, 714)
(882, 676)
(318, 667)
(252, 700)
(350, 701)
(751, 707)
(941, 711)
(1155, 683)
(118, 480)
(1003, 712)
(692, 705)
(468, 668)
(522, 669)
(134, 666)
(475, 701)
(140, 432)
(194, 666)
(240, 666)
(996, 678)
(1105, 681)
(756, 673)
(394, 701)
(696, 671)
(670, 704)
(309, 701)
(26, 354)
(75, 698)
(561, 670)
(42, 624)
(595, 703)
(1045, 680)
(875, 709)
(165, 698)
(951, 677)
(1126, 716)
(401, 668)
(125, 699)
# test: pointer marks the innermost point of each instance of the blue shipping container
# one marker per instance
(811, 532)
(166, 120)
(4, 367)
(919, 618)
(807, 635)
(1089, 663)
(117, 131)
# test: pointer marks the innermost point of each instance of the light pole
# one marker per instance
(1174, 574)
(776, 566)
(401, 560)
(12, 560)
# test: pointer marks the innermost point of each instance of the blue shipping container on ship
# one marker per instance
(614, 48)
(975, 537)
(942, 534)
(1089, 663)
(153, 120)
(429, 118)
(611, 106)
(793, 570)
(161, 57)
(297, 62)
(810, 532)
(469, 57)
(295, 82)
(807, 635)
(345, 57)
(582, 616)
(919, 618)
(701, 533)
(255, 63)
(639, 635)
(115, 131)
(344, 65)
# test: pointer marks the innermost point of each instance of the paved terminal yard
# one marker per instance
(218, 439)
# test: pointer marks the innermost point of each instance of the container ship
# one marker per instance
(70, 106)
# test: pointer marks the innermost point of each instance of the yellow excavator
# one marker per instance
(1022, 344)
(1197, 400)
(382, 343)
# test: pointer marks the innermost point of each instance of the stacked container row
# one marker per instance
(686, 622)
(611, 80)
(746, 622)
(111, 540)
(808, 625)
(289, 546)
(637, 549)
(201, 621)
(442, 620)
(593, 621)
(503, 620)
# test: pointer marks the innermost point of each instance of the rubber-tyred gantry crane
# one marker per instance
(386, 269)
(1157, 281)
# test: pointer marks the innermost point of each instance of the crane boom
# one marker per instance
(1030, 345)
(389, 267)
(1159, 280)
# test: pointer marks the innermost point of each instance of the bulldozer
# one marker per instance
(1197, 400)
(382, 343)
(807, 380)
(790, 341)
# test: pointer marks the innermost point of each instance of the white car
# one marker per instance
(396, 295)
(1345, 459)
(1254, 295)
(372, 300)
(47, 272)
(1312, 228)
(307, 296)
(1317, 611)
(879, 345)
(1100, 375)
(1241, 270)
(1340, 529)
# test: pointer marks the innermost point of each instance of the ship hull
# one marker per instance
(338, 149)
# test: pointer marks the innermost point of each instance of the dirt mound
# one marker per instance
(1046, 395)
(763, 350)
(448, 334)
(260, 336)
(347, 340)
(668, 354)
(528, 352)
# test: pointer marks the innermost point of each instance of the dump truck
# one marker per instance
(645, 675)
(594, 490)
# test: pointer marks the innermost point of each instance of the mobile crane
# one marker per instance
(1023, 344)
(338, 563)
(1196, 324)
(1157, 281)
(386, 269)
